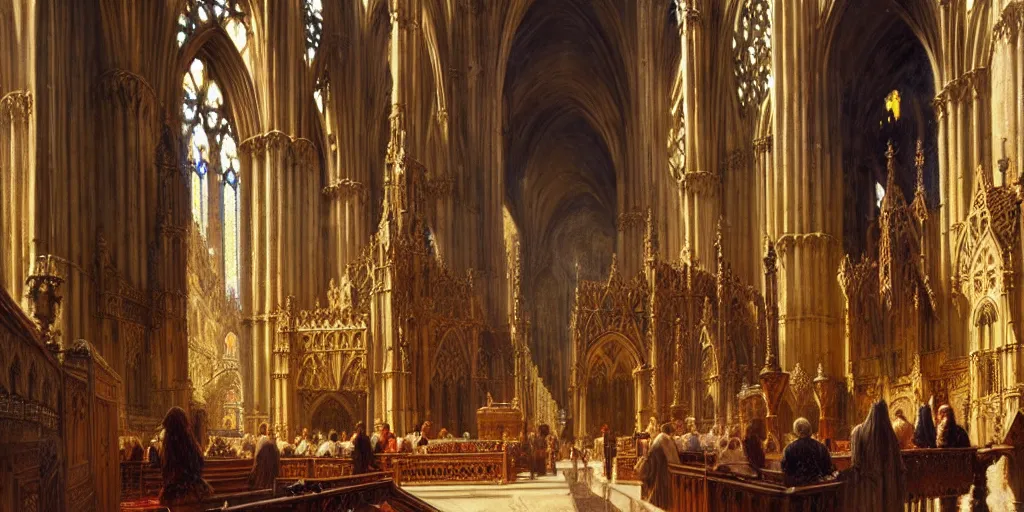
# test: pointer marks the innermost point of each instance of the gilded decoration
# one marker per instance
(678, 316)
(890, 301)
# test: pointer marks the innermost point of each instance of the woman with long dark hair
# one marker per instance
(182, 464)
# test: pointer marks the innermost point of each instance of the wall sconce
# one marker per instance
(43, 285)
(1004, 163)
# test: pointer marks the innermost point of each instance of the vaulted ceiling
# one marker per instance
(565, 94)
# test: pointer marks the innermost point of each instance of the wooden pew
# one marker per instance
(281, 484)
(140, 481)
(932, 474)
(696, 488)
(342, 498)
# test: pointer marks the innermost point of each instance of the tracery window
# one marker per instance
(752, 53)
(212, 155)
(313, 16)
(677, 146)
(227, 13)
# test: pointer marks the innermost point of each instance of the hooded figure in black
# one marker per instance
(924, 431)
(362, 452)
(877, 476)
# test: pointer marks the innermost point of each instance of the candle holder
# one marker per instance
(44, 298)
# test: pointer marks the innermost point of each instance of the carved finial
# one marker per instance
(650, 237)
(986, 180)
(718, 243)
(613, 272)
(770, 256)
(707, 314)
(890, 166)
(919, 163)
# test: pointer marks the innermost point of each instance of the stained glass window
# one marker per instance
(212, 154)
(227, 13)
(892, 107)
(752, 53)
(313, 16)
(231, 233)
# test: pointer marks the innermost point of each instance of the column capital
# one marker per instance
(16, 105)
(700, 182)
(131, 89)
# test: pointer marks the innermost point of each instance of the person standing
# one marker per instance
(654, 473)
(610, 450)
(924, 431)
(878, 480)
(362, 452)
(753, 447)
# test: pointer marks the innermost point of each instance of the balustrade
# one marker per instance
(492, 467)
(463, 462)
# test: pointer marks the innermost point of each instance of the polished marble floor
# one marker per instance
(569, 491)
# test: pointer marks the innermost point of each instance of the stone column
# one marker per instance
(700, 183)
(642, 394)
(17, 190)
(168, 280)
(807, 221)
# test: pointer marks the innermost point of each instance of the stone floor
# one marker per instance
(565, 492)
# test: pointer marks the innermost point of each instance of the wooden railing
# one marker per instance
(343, 498)
(456, 468)
(696, 489)
(139, 480)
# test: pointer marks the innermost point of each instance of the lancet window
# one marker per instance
(677, 145)
(227, 13)
(752, 53)
(213, 158)
(314, 19)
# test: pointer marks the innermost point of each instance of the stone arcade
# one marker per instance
(469, 218)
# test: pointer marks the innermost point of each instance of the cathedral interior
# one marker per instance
(488, 215)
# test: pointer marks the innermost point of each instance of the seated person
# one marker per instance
(733, 460)
(805, 461)
(329, 448)
(691, 440)
(386, 441)
(265, 464)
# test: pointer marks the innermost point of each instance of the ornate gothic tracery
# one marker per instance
(314, 20)
(214, 161)
(752, 53)
(227, 13)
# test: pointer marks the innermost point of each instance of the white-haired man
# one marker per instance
(805, 460)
